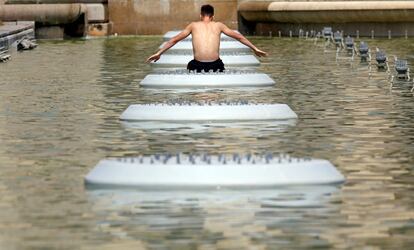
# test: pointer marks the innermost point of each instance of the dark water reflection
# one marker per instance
(59, 108)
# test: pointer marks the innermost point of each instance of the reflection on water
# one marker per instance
(246, 127)
(216, 218)
(59, 110)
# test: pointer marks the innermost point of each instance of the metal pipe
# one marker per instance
(43, 13)
(327, 12)
(53, 1)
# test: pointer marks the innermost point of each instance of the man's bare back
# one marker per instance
(206, 39)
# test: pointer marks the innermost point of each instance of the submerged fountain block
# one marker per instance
(364, 52)
(4, 56)
(401, 66)
(225, 79)
(327, 32)
(225, 46)
(381, 59)
(181, 61)
(349, 43)
(219, 170)
(337, 37)
(207, 112)
(363, 49)
(26, 44)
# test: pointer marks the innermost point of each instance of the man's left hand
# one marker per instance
(154, 58)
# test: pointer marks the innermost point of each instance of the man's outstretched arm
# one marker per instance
(183, 34)
(242, 39)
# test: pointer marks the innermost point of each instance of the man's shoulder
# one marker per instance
(212, 22)
(194, 24)
(219, 24)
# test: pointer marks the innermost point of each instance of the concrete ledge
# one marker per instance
(12, 28)
(11, 32)
(328, 12)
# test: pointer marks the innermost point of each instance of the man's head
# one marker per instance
(207, 11)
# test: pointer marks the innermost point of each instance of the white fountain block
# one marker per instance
(225, 46)
(173, 33)
(204, 170)
(181, 61)
(225, 79)
(207, 112)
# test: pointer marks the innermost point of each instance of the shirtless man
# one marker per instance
(206, 42)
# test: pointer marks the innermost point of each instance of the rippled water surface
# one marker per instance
(59, 109)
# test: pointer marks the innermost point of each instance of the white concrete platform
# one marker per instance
(225, 46)
(207, 112)
(205, 170)
(181, 61)
(224, 79)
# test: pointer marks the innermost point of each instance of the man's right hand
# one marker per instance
(154, 58)
(183, 34)
(260, 53)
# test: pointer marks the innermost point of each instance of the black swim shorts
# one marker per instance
(198, 66)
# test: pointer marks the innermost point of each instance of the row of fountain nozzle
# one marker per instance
(401, 66)
(193, 72)
(212, 159)
(183, 102)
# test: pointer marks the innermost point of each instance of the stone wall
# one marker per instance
(148, 17)
(1, 2)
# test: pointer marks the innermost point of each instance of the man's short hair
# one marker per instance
(207, 10)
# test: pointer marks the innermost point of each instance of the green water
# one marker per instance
(59, 109)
